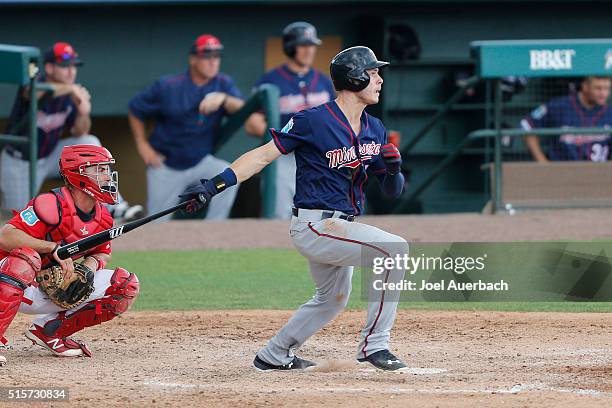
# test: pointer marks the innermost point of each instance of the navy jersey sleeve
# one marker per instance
(540, 117)
(148, 103)
(377, 165)
(295, 133)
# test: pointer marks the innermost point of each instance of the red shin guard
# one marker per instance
(121, 293)
(17, 272)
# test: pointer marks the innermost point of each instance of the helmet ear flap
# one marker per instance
(359, 84)
(359, 78)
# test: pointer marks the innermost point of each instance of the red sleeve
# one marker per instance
(29, 222)
(105, 248)
(105, 223)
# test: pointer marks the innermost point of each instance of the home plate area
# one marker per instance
(456, 358)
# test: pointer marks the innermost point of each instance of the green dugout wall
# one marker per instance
(127, 44)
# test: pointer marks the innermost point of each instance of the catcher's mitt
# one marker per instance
(70, 292)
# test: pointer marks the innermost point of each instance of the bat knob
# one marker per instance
(202, 198)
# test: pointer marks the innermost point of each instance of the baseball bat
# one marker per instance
(85, 244)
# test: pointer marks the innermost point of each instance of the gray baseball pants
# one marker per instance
(333, 246)
(164, 185)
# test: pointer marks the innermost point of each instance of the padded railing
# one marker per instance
(19, 66)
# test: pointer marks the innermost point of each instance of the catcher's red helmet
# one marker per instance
(102, 183)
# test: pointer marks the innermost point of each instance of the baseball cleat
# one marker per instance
(133, 213)
(296, 364)
(125, 213)
(61, 347)
(385, 360)
(2, 361)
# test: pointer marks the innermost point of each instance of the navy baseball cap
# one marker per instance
(62, 53)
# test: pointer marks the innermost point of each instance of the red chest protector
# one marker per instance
(57, 209)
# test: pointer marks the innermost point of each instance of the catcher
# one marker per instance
(71, 295)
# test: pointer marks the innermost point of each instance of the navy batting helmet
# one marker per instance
(299, 33)
(349, 68)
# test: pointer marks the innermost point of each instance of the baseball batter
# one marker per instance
(336, 145)
(301, 87)
(68, 298)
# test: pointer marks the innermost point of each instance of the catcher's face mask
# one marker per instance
(105, 180)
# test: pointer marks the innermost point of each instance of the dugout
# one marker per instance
(559, 65)
(128, 44)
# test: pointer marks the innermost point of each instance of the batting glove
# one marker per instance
(392, 158)
(199, 194)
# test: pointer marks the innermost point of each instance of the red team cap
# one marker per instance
(62, 53)
(207, 45)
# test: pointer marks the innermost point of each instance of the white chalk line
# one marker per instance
(406, 371)
(515, 389)
(161, 384)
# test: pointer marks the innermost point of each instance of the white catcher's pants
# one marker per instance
(47, 310)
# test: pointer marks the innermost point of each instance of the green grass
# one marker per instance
(264, 279)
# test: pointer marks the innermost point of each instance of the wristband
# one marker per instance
(99, 261)
(224, 180)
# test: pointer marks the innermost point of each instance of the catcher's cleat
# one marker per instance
(2, 361)
(385, 360)
(61, 347)
(295, 364)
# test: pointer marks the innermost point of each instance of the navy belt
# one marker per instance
(328, 214)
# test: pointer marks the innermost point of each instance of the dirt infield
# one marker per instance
(459, 359)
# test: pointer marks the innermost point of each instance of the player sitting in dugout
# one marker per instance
(63, 118)
(586, 108)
